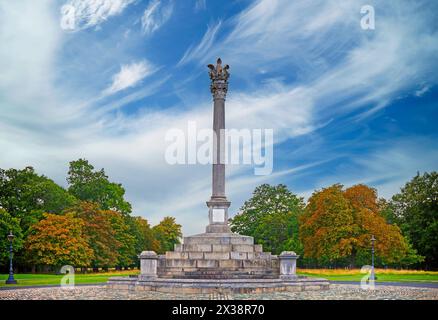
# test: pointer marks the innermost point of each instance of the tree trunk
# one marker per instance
(353, 259)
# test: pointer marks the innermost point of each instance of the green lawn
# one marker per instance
(380, 277)
(96, 278)
(52, 279)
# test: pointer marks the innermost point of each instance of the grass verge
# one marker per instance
(53, 279)
(383, 275)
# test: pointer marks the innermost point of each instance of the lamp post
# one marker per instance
(11, 279)
(372, 276)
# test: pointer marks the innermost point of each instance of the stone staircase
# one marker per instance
(218, 256)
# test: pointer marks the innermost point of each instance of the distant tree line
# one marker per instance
(89, 224)
(334, 227)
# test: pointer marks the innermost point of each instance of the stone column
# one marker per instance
(218, 204)
(288, 265)
(218, 181)
(148, 265)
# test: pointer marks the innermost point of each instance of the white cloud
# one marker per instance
(422, 91)
(201, 50)
(130, 75)
(90, 13)
(386, 168)
(341, 68)
(155, 15)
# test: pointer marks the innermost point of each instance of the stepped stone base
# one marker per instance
(218, 256)
(218, 262)
(201, 286)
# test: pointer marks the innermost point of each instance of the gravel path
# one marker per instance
(336, 292)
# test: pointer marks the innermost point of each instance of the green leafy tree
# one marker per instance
(58, 240)
(7, 224)
(144, 236)
(271, 217)
(168, 233)
(94, 186)
(27, 195)
(126, 250)
(416, 211)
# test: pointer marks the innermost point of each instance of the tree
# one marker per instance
(168, 233)
(7, 224)
(94, 186)
(99, 234)
(416, 211)
(126, 250)
(390, 246)
(58, 240)
(27, 195)
(144, 236)
(326, 227)
(338, 224)
(271, 217)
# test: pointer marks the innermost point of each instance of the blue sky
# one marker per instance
(347, 105)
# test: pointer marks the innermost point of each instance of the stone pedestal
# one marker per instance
(148, 265)
(218, 215)
(288, 264)
(218, 256)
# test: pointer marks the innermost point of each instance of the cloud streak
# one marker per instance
(202, 49)
(91, 13)
(130, 75)
(156, 15)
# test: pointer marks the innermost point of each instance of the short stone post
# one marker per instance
(148, 265)
(288, 265)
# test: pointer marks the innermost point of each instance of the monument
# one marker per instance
(218, 259)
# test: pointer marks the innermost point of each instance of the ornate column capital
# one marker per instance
(219, 79)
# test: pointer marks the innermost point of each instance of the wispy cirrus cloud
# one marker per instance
(201, 50)
(387, 168)
(130, 75)
(90, 13)
(156, 14)
(337, 62)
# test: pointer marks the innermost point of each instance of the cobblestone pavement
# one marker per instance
(336, 292)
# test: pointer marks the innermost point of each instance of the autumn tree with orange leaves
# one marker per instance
(337, 226)
(99, 233)
(58, 240)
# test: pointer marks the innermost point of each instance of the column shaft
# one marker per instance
(218, 185)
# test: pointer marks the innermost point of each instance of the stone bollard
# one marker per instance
(288, 265)
(148, 265)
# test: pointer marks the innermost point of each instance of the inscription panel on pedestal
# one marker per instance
(218, 215)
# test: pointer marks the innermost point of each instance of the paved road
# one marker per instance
(432, 285)
(337, 292)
